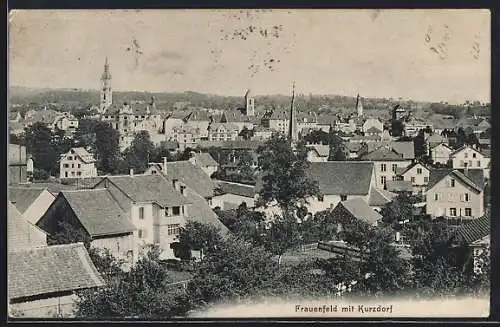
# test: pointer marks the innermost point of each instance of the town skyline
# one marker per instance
(207, 63)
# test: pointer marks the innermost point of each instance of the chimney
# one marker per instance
(164, 168)
(132, 172)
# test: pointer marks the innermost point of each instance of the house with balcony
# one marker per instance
(457, 194)
(77, 163)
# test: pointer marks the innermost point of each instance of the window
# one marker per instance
(141, 213)
(320, 198)
(65, 165)
(466, 197)
(79, 173)
(452, 183)
(383, 167)
(72, 165)
(466, 155)
(473, 155)
(343, 197)
(426, 179)
(79, 166)
(394, 167)
(453, 212)
(419, 171)
(176, 211)
(383, 179)
(153, 172)
(468, 212)
(70, 158)
(436, 197)
(413, 180)
(479, 163)
(182, 189)
(173, 229)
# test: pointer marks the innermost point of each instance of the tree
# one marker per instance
(107, 147)
(242, 222)
(246, 133)
(397, 128)
(137, 156)
(398, 210)
(282, 235)
(85, 135)
(245, 169)
(200, 237)
(39, 142)
(235, 269)
(285, 176)
(420, 145)
(144, 292)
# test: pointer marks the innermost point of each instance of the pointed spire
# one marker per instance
(106, 75)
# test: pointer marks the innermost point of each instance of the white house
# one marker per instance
(455, 193)
(417, 173)
(441, 153)
(318, 153)
(77, 163)
(373, 122)
(466, 156)
(230, 195)
(205, 161)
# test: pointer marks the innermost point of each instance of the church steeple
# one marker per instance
(292, 123)
(359, 106)
(106, 93)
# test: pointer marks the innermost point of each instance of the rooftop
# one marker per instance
(361, 210)
(474, 230)
(342, 177)
(50, 269)
(23, 197)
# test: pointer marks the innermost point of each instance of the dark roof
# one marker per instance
(200, 211)
(23, 197)
(237, 189)
(191, 175)
(53, 188)
(399, 186)
(361, 210)
(205, 159)
(149, 188)
(380, 198)
(50, 269)
(474, 230)
(342, 177)
(383, 154)
(238, 144)
(98, 212)
(474, 177)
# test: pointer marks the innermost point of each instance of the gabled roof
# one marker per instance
(149, 188)
(443, 145)
(18, 229)
(383, 154)
(191, 175)
(399, 186)
(200, 211)
(436, 138)
(83, 154)
(23, 197)
(98, 212)
(405, 148)
(342, 177)
(226, 126)
(361, 210)
(474, 178)
(50, 269)
(321, 150)
(205, 159)
(53, 188)
(380, 198)
(474, 230)
(406, 169)
(237, 189)
(462, 148)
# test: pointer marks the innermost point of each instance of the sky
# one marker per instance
(427, 55)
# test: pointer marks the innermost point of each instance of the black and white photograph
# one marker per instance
(248, 163)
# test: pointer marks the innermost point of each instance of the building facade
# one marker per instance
(77, 163)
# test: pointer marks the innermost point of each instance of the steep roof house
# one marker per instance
(22, 234)
(356, 209)
(441, 153)
(42, 281)
(205, 161)
(456, 193)
(30, 201)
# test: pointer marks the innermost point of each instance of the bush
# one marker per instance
(40, 175)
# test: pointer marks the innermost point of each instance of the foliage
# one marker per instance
(399, 209)
(201, 237)
(246, 133)
(107, 147)
(40, 144)
(397, 128)
(143, 292)
(282, 235)
(284, 173)
(66, 233)
(40, 175)
(137, 156)
(242, 222)
(420, 145)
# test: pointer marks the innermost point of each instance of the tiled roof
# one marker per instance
(191, 175)
(380, 198)
(342, 177)
(51, 269)
(150, 188)
(383, 154)
(23, 197)
(200, 211)
(239, 144)
(474, 230)
(474, 178)
(399, 186)
(444, 145)
(205, 159)
(405, 169)
(18, 229)
(406, 148)
(83, 154)
(98, 212)
(463, 147)
(44, 116)
(237, 189)
(53, 188)
(226, 126)
(361, 210)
